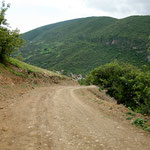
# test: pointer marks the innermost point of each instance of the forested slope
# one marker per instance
(80, 45)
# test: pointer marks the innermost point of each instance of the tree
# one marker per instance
(10, 40)
(149, 45)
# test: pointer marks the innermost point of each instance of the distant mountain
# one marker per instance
(80, 45)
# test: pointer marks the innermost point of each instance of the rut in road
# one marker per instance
(59, 118)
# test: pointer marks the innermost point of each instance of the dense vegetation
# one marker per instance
(126, 83)
(81, 45)
(10, 40)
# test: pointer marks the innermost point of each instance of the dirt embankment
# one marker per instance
(15, 82)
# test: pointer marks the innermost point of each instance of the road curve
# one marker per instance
(58, 118)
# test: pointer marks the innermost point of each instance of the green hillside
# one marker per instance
(80, 45)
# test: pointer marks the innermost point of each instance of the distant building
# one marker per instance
(76, 77)
(58, 72)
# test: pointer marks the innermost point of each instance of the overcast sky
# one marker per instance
(29, 14)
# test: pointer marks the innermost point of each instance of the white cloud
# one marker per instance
(29, 14)
(121, 8)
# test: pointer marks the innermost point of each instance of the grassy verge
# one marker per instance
(142, 123)
(29, 68)
(14, 72)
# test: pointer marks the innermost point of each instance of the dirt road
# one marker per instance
(61, 118)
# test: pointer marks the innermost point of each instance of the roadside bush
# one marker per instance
(10, 40)
(126, 83)
(82, 82)
(140, 122)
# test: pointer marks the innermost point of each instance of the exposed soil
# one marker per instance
(46, 112)
(67, 118)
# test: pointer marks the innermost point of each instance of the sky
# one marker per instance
(30, 14)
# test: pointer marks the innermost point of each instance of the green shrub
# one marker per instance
(83, 82)
(140, 122)
(130, 113)
(129, 118)
(126, 83)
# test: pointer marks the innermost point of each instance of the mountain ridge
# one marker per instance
(82, 44)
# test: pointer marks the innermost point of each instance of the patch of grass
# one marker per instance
(130, 113)
(6, 86)
(2, 65)
(106, 116)
(14, 72)
(129, 108)
(129, 118)
(2, 94)
(23, 85)
(110, 108)
(100, 89)
(22, 65)
(30, 68)
(100, 102)
(18, 73)
(35, 85)
(140, 122)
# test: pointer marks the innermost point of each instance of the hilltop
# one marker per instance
(80, 45)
